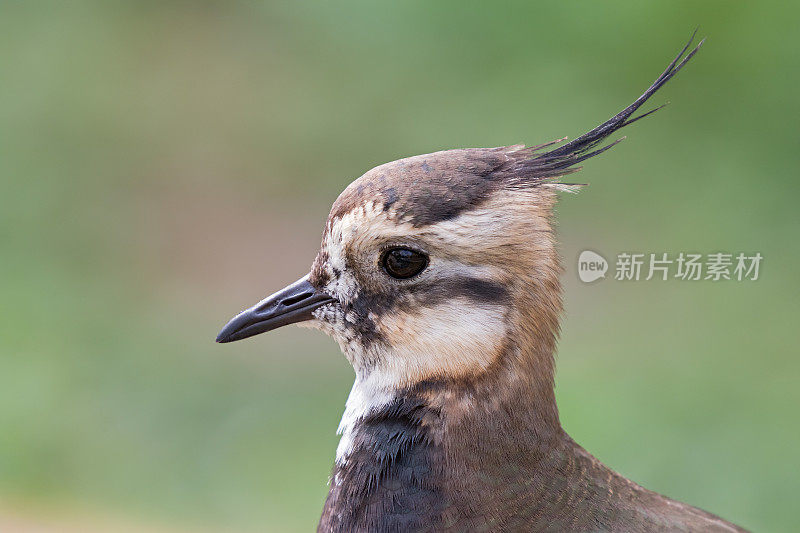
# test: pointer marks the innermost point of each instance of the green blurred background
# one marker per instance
(165, 164)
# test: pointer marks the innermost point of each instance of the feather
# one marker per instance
(561, 161)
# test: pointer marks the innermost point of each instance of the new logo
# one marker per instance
(591, 266)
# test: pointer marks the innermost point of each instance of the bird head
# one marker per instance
(429, 259)
(441, 267)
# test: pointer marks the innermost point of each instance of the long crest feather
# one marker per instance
(558, 162)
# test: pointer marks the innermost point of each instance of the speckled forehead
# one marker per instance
(359, 226)
(346, 231)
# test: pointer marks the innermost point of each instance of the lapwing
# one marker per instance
(438, 276)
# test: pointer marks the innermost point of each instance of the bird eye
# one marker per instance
(403, 263)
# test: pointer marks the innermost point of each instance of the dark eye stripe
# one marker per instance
(475, 289)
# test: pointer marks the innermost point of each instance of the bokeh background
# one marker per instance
(165, 164)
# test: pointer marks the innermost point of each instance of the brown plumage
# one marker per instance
(438, 275)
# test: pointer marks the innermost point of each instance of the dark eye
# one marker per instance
(403, 263)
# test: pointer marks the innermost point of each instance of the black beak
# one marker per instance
(287, 306)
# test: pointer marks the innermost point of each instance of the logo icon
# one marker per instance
(591, 266)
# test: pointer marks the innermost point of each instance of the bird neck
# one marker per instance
(429, 447)
(513, 398)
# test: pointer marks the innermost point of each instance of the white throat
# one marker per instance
(366, 396)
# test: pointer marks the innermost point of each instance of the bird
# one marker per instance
(439, 277)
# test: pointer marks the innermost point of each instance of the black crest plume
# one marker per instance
(562, 160)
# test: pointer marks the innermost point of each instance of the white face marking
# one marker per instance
(457, 338)
(342, 232)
